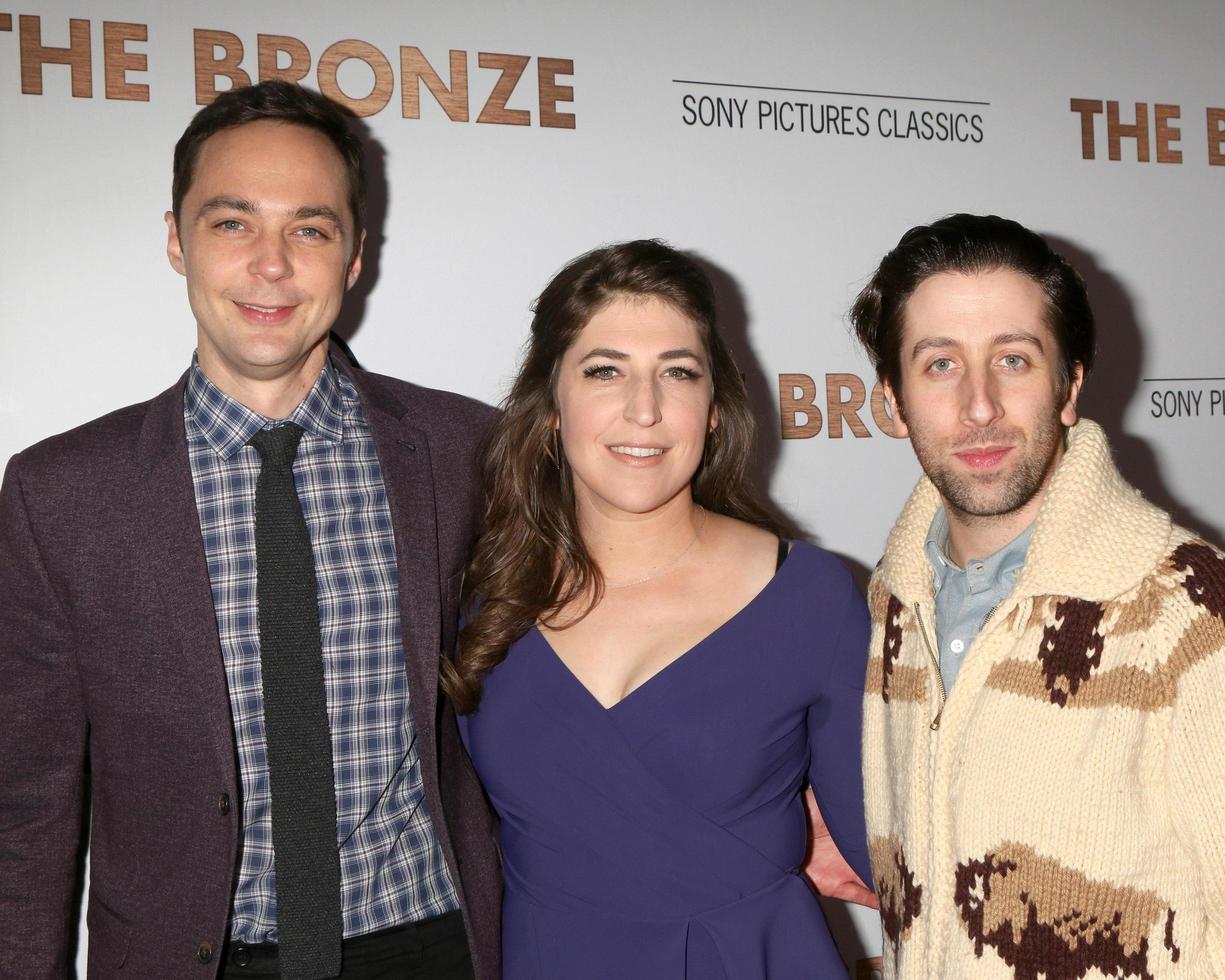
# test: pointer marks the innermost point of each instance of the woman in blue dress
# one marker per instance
(650, 674)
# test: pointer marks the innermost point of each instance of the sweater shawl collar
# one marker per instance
(1095, 536)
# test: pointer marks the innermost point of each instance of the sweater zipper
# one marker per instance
(986, 619)
(935, 724)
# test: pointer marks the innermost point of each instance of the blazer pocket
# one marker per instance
(109, 938)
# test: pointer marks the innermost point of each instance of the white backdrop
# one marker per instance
(694, 123)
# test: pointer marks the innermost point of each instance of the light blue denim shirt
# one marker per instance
(965, 597)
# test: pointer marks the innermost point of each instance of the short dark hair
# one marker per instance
(279, 101)
(968, 244)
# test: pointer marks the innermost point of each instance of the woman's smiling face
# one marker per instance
(634, 402)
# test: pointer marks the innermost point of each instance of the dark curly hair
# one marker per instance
(530, 561)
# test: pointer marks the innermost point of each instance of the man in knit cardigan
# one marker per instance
(1044, 724)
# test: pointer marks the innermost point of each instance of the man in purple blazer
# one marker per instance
(144, 693)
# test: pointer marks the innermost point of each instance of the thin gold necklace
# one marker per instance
(673, 563)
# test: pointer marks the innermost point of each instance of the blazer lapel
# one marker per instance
(173, 549)
(404, 455)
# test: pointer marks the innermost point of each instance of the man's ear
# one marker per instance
(355, 263)
(900, 429)
(174, 246)
(1067, 414)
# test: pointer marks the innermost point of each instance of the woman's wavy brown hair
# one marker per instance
(530, 561)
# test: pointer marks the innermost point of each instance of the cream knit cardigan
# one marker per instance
(1062, 815)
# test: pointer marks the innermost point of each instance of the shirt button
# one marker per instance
(978, 568)
(223, 804)
(241, 956)
(957, 646)
(204, 952)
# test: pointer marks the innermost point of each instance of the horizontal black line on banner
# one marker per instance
(822, 91)
(1182, 379)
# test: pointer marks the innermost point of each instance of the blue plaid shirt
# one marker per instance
(391, 867)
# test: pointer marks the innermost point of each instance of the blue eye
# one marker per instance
(1013, 361)
(941, 365)
(230, 224)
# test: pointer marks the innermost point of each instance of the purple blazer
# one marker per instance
(110, 659)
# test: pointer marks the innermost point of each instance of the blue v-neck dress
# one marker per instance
(660, 839)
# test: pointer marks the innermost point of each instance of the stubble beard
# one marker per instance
(990, 497)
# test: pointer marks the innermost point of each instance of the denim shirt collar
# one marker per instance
(996, 572)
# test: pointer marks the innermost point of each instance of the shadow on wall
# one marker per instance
(763, 398)
(1116, 380)
(733, 318)
(842, 927)
(762, 389)
(353, 311)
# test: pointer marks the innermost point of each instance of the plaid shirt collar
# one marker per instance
(227, 425)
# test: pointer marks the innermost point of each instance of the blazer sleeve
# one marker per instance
(43, 740)
(835, 723)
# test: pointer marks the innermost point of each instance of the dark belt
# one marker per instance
(408, 940)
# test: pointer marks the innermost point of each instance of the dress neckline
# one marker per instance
(685, 655)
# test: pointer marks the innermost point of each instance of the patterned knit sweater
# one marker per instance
(1062, 815)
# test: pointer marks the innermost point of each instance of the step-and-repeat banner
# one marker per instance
(787, 144)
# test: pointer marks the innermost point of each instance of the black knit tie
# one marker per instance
(309, 924)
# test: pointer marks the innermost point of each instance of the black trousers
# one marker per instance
(436, 949)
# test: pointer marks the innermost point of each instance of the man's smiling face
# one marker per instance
(266, 241)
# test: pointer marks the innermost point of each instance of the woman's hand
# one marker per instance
(825, 866)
